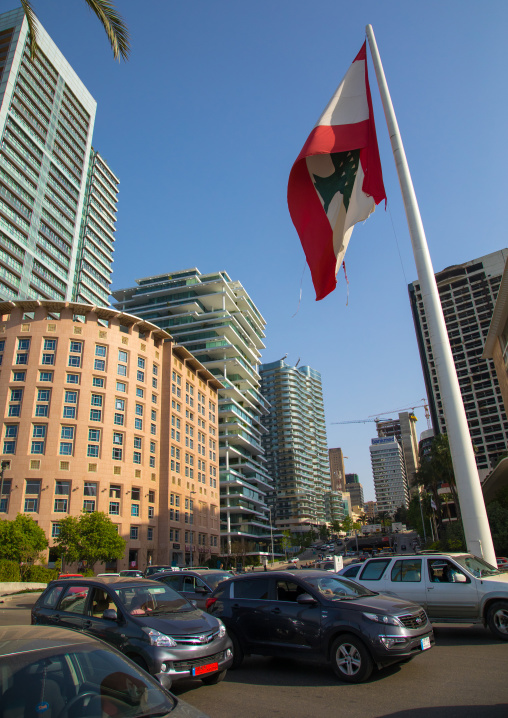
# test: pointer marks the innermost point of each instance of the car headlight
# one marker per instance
(222, 629)
(156, 638)
(390, 620)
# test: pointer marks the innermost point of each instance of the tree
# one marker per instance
(110, 19)
(286, 542)
(22, 540)
(347, 524)
(90, 537)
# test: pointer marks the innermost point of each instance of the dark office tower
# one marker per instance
(57, 195)
(468, 293)
(355, 489)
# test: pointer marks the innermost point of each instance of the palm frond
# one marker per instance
(115, 27)
(32, 26)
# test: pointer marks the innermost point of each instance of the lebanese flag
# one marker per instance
(337, 180)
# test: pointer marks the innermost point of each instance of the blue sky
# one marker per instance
(204, 122)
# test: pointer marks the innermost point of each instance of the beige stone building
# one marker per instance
(103, 412)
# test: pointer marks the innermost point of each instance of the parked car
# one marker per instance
(451, 587)
(196, 585)
(146, 620)
(70, 575)
(350, 571)
(150, 570)
(132, 572)
(321, 617)
(502, 562)
(72, 674)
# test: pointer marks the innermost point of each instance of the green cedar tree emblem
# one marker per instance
(342, 180)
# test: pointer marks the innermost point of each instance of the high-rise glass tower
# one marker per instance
(296, 445)
(216, 320)
(468, 294)
(389, 472)
(58, 198)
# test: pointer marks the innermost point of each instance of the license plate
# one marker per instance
(425, 643)
(209, 668)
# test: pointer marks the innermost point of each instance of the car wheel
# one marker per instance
(351, 660)
(213, 680)
(497, 619)
(238, 653)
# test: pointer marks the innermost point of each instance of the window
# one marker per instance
(32, 491)
(119, 419)
(141, 363)
(137, 442)
(115, 491)
(96, 400)
(152, 462)
(65, 448)
(76, 347)
(73, 378)
(140, 375)
(69, 412)
(71, 397)
(409, 570)
(99, 365)
(150, 533)
(90, 488)
(62, 488)
(252, 588)
(94, 434)
(140, 392)
(154, 398)
(117, 438)
(100, 350)
(114, 508)
(153, 415)
(120, 404)
(121, 370)
(134, 533)
(18, 376)
(138, 424)
(122, 356)
(139, 409)
(134, 509)
(136, 494)
(48, 359)
(136, 458)
(89, 506)
(155, 370)
(75, 599)
(95, 415)
(117, 454)
(98, 381)
(120, 386)
(74, 361)
(61, 506)
(92, 451)
(55, 531)
(373, 570)
(151, 497)
(151, 512)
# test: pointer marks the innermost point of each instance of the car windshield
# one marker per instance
(477, 566)
(145, 600)
(213, 579)
(337, 588)
(78, 680)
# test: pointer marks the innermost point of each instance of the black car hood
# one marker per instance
(380, 603)
(182, 623)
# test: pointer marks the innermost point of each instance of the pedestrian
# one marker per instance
(266, 568)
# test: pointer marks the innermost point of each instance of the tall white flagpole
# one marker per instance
(472, 504)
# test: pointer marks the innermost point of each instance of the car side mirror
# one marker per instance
(164, 680)
(110, 614)
(460, 578)
(306, 599)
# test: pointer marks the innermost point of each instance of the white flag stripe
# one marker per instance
(351, 92)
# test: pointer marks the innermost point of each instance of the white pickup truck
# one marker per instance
(452, 588)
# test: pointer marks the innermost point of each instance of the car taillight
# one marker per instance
(209, 603)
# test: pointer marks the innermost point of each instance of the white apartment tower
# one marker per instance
(389, 472)
(58, 198)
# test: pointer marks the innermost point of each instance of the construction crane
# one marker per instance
(377, 420)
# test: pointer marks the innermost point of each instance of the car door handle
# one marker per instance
(430, 588)
(87, 624)
(54, 618)
(275, 610)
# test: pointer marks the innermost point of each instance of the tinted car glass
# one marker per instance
(74, 600)
(373, 570)
(109, 683)
(213, 579)
(171, 581)
(50, 598)
(258, 589)
(148, 600)
(337, 588)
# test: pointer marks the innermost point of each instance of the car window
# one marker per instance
(188, 583)
(51, 596)
(409, 570)
(373, 570)
(101, 601)
(288, 590)
(74, 600)
(143, 600)
(351, 572)
(213, 579)
(443, 571)
(172, 581)
(252, 588)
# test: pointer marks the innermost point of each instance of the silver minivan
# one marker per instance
(452, 588)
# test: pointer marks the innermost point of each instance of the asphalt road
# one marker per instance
(464, 676)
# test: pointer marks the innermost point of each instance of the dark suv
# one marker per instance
(196, 585)
(320, 616)
(147, 621)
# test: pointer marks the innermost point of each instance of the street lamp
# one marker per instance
(271, 531)
(3, 466)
